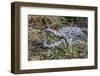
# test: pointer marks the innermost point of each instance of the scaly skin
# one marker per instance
(70, 35)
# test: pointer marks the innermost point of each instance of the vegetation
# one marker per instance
(36, 25)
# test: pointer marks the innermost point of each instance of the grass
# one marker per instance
(36, 25)
(66, 53)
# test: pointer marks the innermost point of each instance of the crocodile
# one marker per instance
(69, 35)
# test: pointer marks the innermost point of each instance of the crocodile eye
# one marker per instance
(79, 36)
(61, 37)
